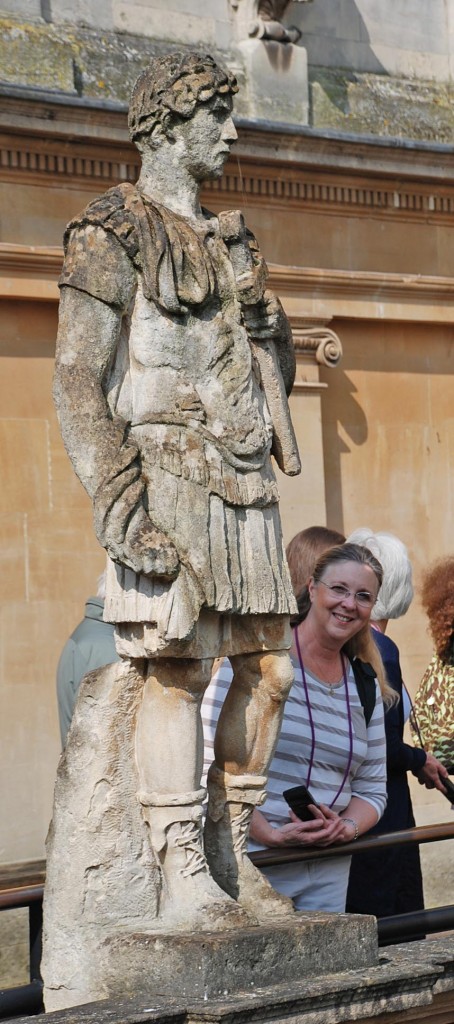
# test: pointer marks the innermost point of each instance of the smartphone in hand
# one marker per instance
(298, 799)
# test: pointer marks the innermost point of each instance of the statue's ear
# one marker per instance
(164, 132)
(155, 138)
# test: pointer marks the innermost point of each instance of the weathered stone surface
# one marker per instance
(212, 966)
(80, 59)
(101, 872)
(277, 82)
(103, 885)
(31, 54)
(414, 979)
(381, 105)
(169, 422)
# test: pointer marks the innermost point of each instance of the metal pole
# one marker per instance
(424, 922)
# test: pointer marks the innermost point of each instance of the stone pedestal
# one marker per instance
(213, 965)
(276, 74)
(411, 983)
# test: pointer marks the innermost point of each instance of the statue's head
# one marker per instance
(171, 89)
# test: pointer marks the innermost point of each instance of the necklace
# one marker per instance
(312, 724)
(318, 673)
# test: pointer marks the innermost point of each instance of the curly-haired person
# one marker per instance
(434, 700)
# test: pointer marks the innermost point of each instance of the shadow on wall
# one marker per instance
(336, 40)
(345, 416)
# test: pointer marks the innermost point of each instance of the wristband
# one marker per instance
(351, 821)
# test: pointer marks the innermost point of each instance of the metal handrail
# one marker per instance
(28, 998)
(24, 895)
(289, 854)
(21, 896)
(400, 927)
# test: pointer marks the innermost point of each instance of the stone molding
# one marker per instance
(363, 295)
(295, 180)
(312, 297)
(340, 196)
(36, 161)
(361, 283)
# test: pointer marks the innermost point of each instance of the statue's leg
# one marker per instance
(246, 736)
(169, 752)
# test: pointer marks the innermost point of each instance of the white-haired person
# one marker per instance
(389, 881)
(332, 736)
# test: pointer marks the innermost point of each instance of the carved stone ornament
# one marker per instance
(323, 341)
(265, 20)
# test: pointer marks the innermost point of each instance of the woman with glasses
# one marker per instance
(325, 741)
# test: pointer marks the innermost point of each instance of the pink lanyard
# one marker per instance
(312, 725)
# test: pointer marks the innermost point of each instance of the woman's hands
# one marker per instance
(324, 829)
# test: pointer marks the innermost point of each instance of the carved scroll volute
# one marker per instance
(321, 342)
(325, 343)
(262, 19)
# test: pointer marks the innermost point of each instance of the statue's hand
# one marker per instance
(123, 526)
(147, 550)
(265, 320)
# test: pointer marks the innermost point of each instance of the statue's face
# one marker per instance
(203, 142)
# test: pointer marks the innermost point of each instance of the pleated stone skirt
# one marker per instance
(232, 561)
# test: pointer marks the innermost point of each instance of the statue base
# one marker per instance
(277, 79)
(212, 965)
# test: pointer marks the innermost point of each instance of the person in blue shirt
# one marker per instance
(90, 646)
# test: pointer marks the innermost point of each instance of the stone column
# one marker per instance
(315, 345)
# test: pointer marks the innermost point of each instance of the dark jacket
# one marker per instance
(389, 881)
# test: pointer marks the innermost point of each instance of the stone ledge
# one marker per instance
(409, 979)
(383, 104)
(30, 272)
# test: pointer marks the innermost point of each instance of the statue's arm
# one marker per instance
(268, 321)
(105, 460)
(87, 338)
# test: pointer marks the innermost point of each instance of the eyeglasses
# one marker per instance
(361, 597)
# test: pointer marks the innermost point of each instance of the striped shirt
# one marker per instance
(327, 744)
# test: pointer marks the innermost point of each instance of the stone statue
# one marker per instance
(172, 369)
(265, 20)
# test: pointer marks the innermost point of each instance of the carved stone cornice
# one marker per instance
(36, 161)
(312, 297)
(324, 294)
(45, 143)
(336, 192)
(30, 273)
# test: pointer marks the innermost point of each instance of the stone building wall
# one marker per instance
(358, 233)
(374, 66)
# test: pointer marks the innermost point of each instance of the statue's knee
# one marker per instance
(279, 675)
(272, 673)
(185, 675)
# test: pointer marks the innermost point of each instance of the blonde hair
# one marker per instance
(363, 646)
